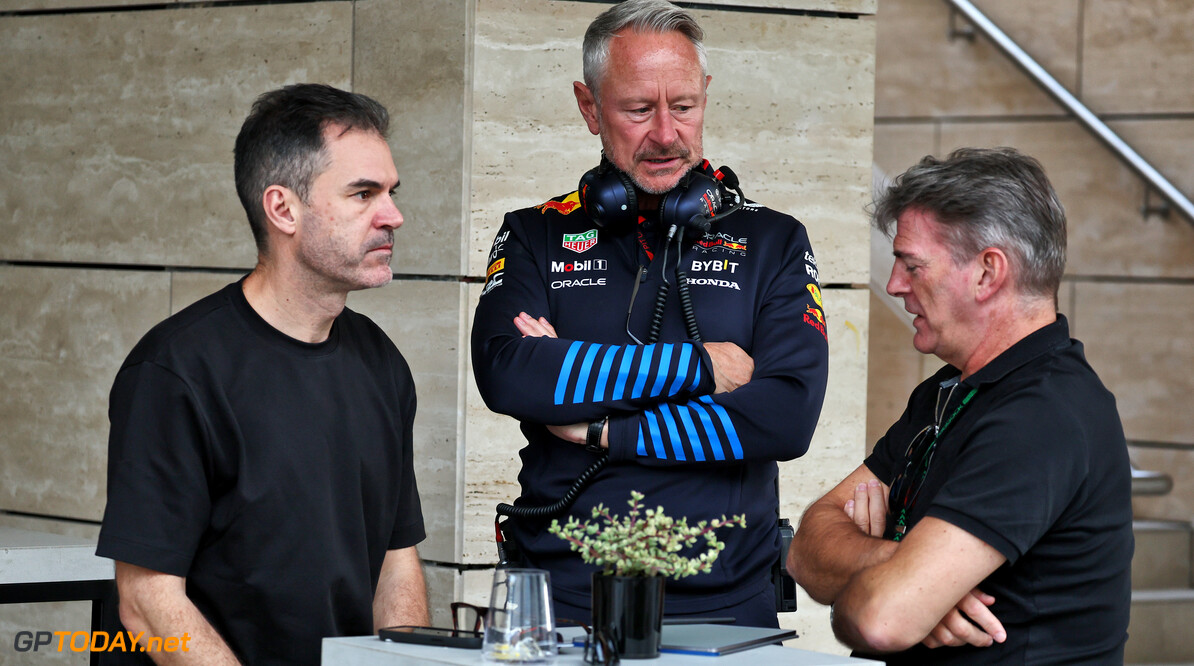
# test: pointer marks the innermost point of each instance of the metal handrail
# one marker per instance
(1153, 444)
(1092, 122)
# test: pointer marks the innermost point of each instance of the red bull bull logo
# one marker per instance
(810, 310)
(563, 207)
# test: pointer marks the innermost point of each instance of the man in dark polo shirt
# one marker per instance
(992, 523)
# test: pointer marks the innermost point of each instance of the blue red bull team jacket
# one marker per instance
(753, 281)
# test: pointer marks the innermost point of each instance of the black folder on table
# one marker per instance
(718, 639)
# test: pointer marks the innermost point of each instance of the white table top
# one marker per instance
(371, 651)
(37, 557)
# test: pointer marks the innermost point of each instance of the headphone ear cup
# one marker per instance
(691, 203)
(607, 197)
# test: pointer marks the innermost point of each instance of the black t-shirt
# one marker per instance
(271, 473)
(1036, 466)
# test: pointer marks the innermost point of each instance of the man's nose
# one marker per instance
(389, 216)
(663, 129)
(898, 282)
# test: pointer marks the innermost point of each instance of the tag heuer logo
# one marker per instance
(580, 242)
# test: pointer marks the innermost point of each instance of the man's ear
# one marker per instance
(588, 105)
(281, 209)
(992, 273)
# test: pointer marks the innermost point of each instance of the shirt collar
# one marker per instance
(1034, 345)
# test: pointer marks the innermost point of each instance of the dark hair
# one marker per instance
(640, 16)
(281, 141)
(987, 197)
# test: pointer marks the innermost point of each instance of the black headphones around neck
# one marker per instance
(609, 198)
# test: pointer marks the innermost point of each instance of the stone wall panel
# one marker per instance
(116, 147)
(64, 333)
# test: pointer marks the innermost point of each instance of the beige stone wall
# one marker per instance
(1128, 291)
(117, 209)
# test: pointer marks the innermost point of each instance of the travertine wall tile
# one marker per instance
(1137, 339)
(901, 145)
(1108, 236)
(529, 141)
(491, 444)
(424, 319)
(415, 61)
(63, 335)
(1165, 144)
(188, 287)
(920, 71)
(837, 447)
(1137, 56)
(894, 368)
(795, 124)
(443, 587)
(141, 110)
(32, 5)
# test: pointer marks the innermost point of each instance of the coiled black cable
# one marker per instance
(561, 505)
(657, 315)
(690, 322)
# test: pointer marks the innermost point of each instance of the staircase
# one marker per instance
(1161, 630)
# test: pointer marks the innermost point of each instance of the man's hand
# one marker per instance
(732, 367)
(534, 328)
(868, 510)
(955, 629)
(531, 327)
(575, 433)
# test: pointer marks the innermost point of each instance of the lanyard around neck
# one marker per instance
(923, 467)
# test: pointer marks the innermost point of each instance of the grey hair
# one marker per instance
(640, 16)
(987, 197)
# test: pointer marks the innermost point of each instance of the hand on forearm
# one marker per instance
(829, 548)
(868, 509)
(980, 630)
(531, 327)
(732, 367)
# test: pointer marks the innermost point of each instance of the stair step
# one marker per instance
(1159, 631)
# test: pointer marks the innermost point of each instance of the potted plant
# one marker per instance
(636, 553)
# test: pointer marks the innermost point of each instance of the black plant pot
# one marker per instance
(628, 610)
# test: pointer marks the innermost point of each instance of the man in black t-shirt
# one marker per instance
(993, 522)
(261, 494)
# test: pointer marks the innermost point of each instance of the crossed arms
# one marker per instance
(732, 367)
(890, 596)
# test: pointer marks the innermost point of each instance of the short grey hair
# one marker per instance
(987, 197)
(640, 16)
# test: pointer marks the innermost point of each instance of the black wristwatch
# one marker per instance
(593, 436)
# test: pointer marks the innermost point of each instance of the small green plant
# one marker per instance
(644, 542)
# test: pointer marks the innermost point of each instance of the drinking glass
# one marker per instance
(520, 624)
